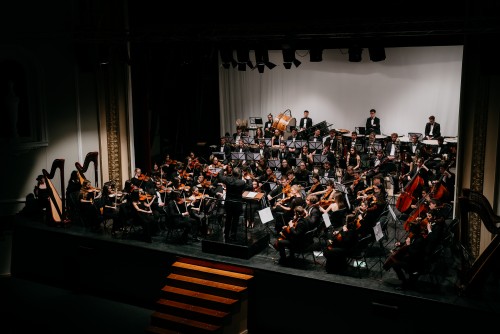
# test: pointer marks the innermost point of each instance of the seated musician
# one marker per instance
(225, 148)
(264, 151)
(306, 157)
(419, 169)
(241, 147)
(291, 235)
(282, 153)
(353, 158)
(348, 177)
(138, 178)
(376, 166)
(327, 195)
(337, 204)
(88, 211)
(266, 180)
(316, 137)
(313, 213)
(340, 245)
(195, 205)
(408, 257)
(356, 142)
(286, 205)
(178, 211)
(291, 148)
(327, 171)
(72, 193)
(302, 174)
(376, 203)
(143, 215)
(357, 185)
(445, 178)
(111, 201)
(435, 231)
(259, 167)
(284, 167)
(316, 186)
(290, 174)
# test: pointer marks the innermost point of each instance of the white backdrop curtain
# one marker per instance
(405, 89)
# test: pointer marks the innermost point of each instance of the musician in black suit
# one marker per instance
(432, 129)
(268, 127)
(373, 122)
(305, 122)
(224, 148)
(292, 235)
(233, 203)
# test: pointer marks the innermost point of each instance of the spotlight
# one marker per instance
(242, 54)
(261, 59)
(289, 58)
(226, 57)
(377, 53)
(355, 54)
(315, 55)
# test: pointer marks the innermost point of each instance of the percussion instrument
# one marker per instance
(284, 122)
(431, 142)
(451, 140)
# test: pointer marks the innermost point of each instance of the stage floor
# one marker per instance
(266, 259)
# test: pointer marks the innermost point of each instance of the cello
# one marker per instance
(406, 198)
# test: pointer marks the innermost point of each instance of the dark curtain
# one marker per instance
(175, 95)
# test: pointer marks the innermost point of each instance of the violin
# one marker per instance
(145, 196)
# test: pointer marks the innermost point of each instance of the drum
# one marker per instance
(430, 142)
(284, 122)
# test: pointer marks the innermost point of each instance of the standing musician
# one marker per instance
(340, 245)
(268, 127)
(373, 123)
(305, 122)
(233, 203)
(292, 235)
(432, 128)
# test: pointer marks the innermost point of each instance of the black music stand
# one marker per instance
(274, 163)
(238, 156)
(219, 155)
(268, 142)
(319, 159)
(248, 140)
(229, 140)
(253, 156)
(361, 130)
(296, 143)
(315, 145)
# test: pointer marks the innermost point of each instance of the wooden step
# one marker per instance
(160, 330)
(218, 275)
(200, 299)
(183, 325)
(193, 312)
(207, 286)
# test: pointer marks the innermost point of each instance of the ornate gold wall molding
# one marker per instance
(478, 154)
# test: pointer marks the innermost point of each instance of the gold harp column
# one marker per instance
(478, 135)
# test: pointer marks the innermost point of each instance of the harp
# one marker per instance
(56, 202)
(90, 157)
(474, 272)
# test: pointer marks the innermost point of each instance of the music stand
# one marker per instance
(323, 180)
(298, 161)
(249, 140)
(273, 163)
(361, 130)
(268, 142)
(253, 156)
(340, 187)
(396, 221)
(238, 156)
(229, 140)
(319, 159)
(295, 143)
(266, 216)
(219, 155)
(315, 145)
(272, 185)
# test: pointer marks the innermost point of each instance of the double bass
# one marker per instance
(406, 197)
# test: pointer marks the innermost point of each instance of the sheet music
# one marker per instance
(377, 229)
(251, 194)
(265, 215)
(326, 219)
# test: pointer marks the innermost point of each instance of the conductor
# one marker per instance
(233, 203)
